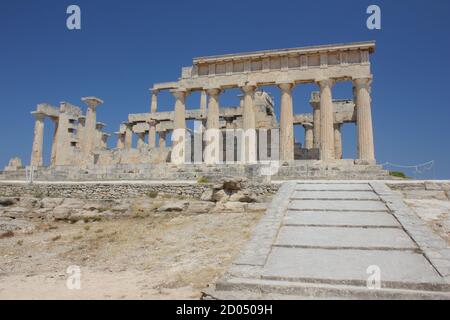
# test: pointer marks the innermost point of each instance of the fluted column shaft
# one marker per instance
(128, 140)
(179, 125)
(152, 134)
(120, 140)
(364, 119)
(54, 141)
(211, 151)
(316, 120)
(162, 139)
(249, 124)
(141, 139)
(38, 140)
(154, 103)
(338, 141)
(327, 151)
(309, 136)
(286, 123)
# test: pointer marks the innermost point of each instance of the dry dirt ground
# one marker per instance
(171, 256)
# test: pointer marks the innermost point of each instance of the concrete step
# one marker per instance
(342, 205)
(349, 219)
(334, 195)
(343, 238)
(245, 288)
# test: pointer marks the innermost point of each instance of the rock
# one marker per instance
(257, 207)
(230, 184)
(230, 207)
(207, 195)
(62, 213)
(50, 203)
(29, 203)
(200, 207)
(100, 205)
(243, 196)
(72, 203)
(16, 212)
(9, 224)
(220, 196)
(6, 202)
(173, 206)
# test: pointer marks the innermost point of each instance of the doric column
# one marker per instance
(211, 152)
(315, 104)
(162, 139)
(141, 139)
(91, 124)
(154, 103)
(286, 123)
(54, 141)
(249, 124)
(120, 140)
(203, 101)
(364, 119)
(337, 141)
(309, 136)
(326, 120)
(152, 134)
(179, 126)
(38, 140)
(128, 140)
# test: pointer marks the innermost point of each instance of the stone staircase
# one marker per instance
(327, 239)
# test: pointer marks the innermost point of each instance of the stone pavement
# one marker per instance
(324, 239)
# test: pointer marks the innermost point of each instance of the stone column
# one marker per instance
(286, 123)
(162, 139)
(326, 120)
(54, 141)
(179, 126)
(152, 134)
(91, 124)
(120, 140)
(128, 140)
(364, 119)
(211, 151)
(338, 141)
(203, 101)
(141, 139)
(38, 140)
(249, 124)
(315, 104)
(154, 103)
(309, 136)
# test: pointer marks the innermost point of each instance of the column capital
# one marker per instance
(154, 91)
(337, 125)
(248, 88)
(307, 125)
(285, 86)
(92, 102)
(213, 91)
(325, 82)
(179, 93)
(38, 115)
(362, 82)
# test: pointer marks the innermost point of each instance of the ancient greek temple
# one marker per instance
(79, 140)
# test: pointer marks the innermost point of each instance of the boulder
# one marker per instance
(6, 202)
(29, 203)
(220, 196)
(243, 196)
(230, 184)
(200, 207)
(51, 203)
(173, 206)
(16, 212)
(230, 207)
(207, 195)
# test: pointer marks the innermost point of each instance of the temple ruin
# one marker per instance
(80, 144)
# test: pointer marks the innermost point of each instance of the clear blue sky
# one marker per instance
(126, 46)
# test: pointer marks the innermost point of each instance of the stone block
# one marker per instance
(51, 203)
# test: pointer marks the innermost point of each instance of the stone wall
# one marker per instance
(423, 189)
(97, 191)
